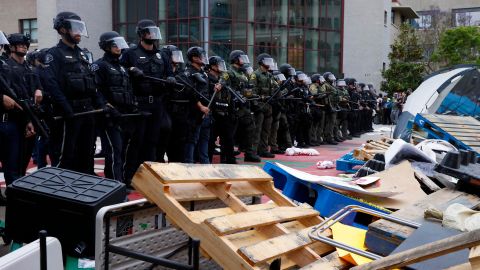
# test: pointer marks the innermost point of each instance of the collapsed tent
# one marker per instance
(452, 91)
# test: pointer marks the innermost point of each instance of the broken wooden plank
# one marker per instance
(237, 222)
(425, 252)
(426, 181)
(275, 247)
(200, 216)
(328, 262)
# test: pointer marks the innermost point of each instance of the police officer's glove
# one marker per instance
(110, 111)
(135, 72)
(171, 80)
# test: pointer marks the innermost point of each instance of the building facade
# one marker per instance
(304, 33)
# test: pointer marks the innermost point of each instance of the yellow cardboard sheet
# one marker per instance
(353, 237)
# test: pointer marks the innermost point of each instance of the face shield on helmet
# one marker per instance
(280, 77)
(273, 67)
(308, 81)
(321, 79)
(221, 66)
(119, 42)
(341, 83)
(301, 77)
(365, 88)
(77, 27)
(177, 57)
(268, 62)
(151, 32)
(244, 59)
(3, 39)
(331, 77)
(291, 72)
(247, 69)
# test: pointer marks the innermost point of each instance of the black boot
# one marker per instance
(252, 158)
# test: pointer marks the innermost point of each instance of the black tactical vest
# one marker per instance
(151, 65)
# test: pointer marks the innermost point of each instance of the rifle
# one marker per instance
(236, 95)
(278, 90)
(102, 111)
(40, 125)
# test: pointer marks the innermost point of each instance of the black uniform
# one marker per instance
(71, 84)
(11, 130)
(25, 82)
(354, 115)
(224, 120)
(121, 160)
(151, 97)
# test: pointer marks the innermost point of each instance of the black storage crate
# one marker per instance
(62, 202)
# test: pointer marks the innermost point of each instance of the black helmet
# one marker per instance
(317, 78)
(287, 70)
(70, 21)
(329, 77)
(42, 55)
(300, 76)
(112, 38)
(17, 39)
(278, 76)
(238, 54)
(147, 26)
(197, 52)
(350, 81)
(32, 56)
(174, 52)
(265, 59)
(217, 61)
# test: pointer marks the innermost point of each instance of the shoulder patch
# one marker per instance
(48, 58)
(253, 76)
(225, 76)
(94, 67)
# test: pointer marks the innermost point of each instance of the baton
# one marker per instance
(80, 114)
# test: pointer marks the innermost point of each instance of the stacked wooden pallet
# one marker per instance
(371, 148)
(238, 236)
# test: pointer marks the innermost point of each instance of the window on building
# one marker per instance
(424, 22)
(385, 17)
(466, 16)
(29, 27)
(393, 17)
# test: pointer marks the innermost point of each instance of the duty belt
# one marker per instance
(148, 99)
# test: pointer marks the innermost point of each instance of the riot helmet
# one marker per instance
(278, 76)
(239, 57)
(341, 83)
(287, 70)
(148, 31)
(265, 60)
(197, 52)
(300, 76)
(175, 53)
(318, 78)
(73, 24)
(16, 40)
(112, 39)
(218, 62)
(329, 77)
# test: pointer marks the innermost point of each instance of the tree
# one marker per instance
(406, 67)
(460, 45)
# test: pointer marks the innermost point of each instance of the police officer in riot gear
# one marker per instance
(317, 89)
(300, 129)
(344, 105)
(10, 129)
(27, 86)
(237, 77)
(223, 112)
(116, 90)
(331, 112)
(175, 56)
(146, 59)
(71, 84)
(263, 86)
(280, 130)
(354, 115)
(367, 106)
(199, 121)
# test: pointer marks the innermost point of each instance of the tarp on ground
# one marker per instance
(453, 91)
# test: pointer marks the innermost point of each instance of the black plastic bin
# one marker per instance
(62, 202)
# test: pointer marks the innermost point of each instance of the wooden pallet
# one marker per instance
(238, 236)
(371, 148)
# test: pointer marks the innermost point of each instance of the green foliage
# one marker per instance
(460, 45)
(405, 69)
